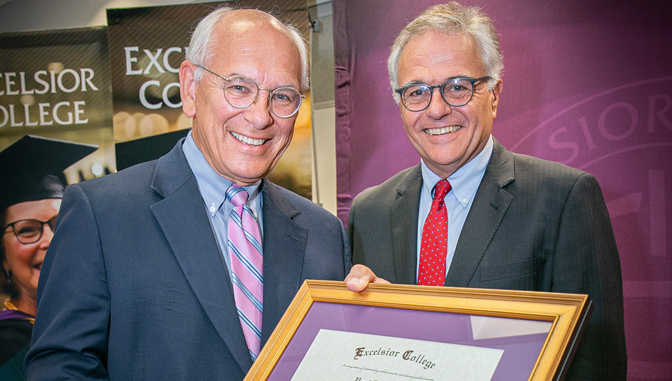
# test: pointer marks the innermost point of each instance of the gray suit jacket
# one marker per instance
(134, 285)
(534, 225)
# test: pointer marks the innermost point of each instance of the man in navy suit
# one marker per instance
(514, 222)
(137, 282)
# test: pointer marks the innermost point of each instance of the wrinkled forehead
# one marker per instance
(434, 44)
(256, 46)
(440, 53)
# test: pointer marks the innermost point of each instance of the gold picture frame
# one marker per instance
(567, 315)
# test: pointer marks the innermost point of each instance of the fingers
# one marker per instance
(381, 281)
(359, 278)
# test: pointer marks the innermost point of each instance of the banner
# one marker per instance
(56, 84)
(147, 46)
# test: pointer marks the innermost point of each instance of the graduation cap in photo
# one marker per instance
(30, 168)
(150, 148)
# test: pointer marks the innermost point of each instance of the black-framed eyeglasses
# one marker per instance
(30, 230)
(241, 92)
(455, 92)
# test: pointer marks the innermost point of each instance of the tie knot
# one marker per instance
(441, 189)
(237, 195)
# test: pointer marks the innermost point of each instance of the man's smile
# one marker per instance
(248, 141)
(442, 130)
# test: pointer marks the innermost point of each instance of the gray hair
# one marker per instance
(454, 19)
(201, 46)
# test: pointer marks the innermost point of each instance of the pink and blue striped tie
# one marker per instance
(246, 267)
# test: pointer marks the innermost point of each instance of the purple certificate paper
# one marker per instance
(484, 348)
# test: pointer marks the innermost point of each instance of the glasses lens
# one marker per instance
(240, 91)
(52, 223)
(457, 91)
(417, 97)
(28, 231)
(285, 101)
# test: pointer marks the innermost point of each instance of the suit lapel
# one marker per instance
(181, 215)
(284, 251)
(404, 227)
(490, 205)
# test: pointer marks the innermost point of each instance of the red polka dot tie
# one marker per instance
(432, 271)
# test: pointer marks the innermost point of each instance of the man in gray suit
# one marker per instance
(513, 221)
(143, 279)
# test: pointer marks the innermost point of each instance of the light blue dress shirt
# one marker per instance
(464, 182)
(213, 188)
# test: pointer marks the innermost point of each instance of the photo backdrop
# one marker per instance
(587, 83)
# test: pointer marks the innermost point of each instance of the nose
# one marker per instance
(438, 108)
(259, 112)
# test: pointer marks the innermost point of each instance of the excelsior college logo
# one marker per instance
(623, 136)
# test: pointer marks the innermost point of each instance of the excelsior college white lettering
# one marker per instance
(153, 63)
(28, 113)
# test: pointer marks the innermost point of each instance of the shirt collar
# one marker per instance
(211, 185)
(466, 180)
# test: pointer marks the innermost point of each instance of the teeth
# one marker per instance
(246, 140)
(441, 131)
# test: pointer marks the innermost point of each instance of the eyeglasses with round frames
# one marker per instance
(455, 92)
(241, 92)
(30, 230)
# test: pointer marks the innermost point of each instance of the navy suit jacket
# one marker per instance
(534, 225)
(134, 286)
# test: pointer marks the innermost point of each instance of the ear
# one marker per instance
(495, 97)
(188, 88)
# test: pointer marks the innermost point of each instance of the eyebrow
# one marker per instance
(255, 81)
(418, 82)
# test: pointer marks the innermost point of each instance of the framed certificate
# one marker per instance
(408, 333)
